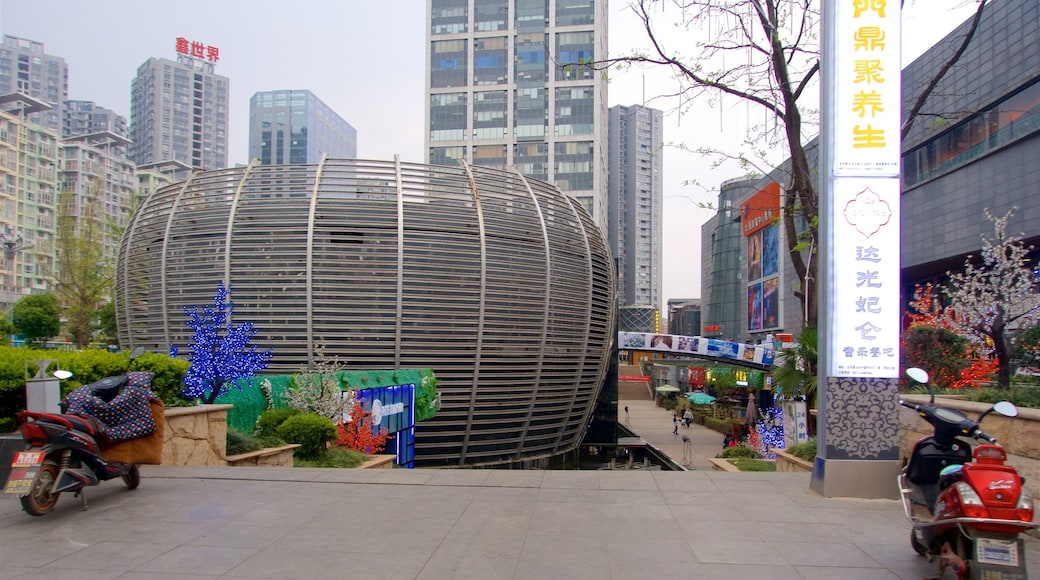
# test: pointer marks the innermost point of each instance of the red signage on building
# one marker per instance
(760, 209)
(197, 49)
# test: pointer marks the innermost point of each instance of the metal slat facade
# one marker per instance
(499, 283)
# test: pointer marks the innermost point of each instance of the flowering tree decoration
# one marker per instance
(359, 433)
(220, 352)
(991, 300)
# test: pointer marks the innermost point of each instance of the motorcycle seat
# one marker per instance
(79, 423)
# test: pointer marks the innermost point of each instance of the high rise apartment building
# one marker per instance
(26, 69)
(507, 87)
(84, 117)
(98, 183)
(636, 198)
(295, 126)
(179, 109)
(28, 199)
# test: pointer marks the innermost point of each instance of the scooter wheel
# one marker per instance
(917, 546)
(40, 501)
(132, 479)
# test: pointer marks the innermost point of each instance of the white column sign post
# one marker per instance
(858, 452)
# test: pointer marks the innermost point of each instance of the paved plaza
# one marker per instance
(241, 522)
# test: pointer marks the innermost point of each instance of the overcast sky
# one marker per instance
(365, 59)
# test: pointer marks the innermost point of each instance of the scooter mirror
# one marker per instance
(136, 352)
(1006, 408)
(919, 375)
(62, 374)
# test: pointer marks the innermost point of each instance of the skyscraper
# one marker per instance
(507, 87)
(297, 127)
(179, 109)
(26, 69)
(636, 198)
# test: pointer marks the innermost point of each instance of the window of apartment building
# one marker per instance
(490, 61)
(447, 116)
(571, 12)
(575, 111)
(489, 114)
(448, 16)
(530, 65)
(532, 159)
(447, 155)
(448, 63)
(573, 167)
(573, 49)
(490, 156)
(490, 15)
(530, 116)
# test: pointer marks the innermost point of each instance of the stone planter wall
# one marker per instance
(195, 435)
(269, 457)
(1018, 435)
(787, 462)
(379, 462)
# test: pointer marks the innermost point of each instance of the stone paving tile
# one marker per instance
(190, 559)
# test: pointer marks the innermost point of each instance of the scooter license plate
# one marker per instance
(23, 471)
(996, 552)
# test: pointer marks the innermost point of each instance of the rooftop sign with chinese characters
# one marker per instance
(197, 50)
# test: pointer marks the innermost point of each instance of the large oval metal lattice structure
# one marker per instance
(501, 284)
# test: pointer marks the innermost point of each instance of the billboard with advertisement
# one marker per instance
(721, 349)
(759, 220)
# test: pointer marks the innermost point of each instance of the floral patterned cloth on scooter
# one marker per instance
(127, 416)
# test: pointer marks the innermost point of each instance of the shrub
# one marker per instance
(748, 464)
(334, 457)
(269, 421)
(670, 404)
(804, 451)
(169, 375)
(739, 451)
(239, 442)
(312, 432)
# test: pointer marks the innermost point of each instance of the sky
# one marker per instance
(366, 60)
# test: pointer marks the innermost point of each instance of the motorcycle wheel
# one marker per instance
(917, 546)
(132, 479)
(40, 501)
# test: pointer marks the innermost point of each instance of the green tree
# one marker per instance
(106, 318)
(6, 329)
(37, 317)
(796, 372)
(1027, 347)
(83, 280)
(939, 351)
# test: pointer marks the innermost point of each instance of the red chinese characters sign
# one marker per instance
(197, 49)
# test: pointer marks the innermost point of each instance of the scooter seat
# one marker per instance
(82, 424)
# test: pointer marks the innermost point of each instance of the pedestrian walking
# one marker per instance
(675, 424)
(627, 422)
(687, 417)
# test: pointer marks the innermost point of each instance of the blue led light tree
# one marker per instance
(220, 352)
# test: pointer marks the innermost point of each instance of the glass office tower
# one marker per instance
(295, 126)
(508, 86)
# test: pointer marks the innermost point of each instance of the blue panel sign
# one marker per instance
(393, 410)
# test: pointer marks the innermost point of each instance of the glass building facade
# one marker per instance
(499, 283)
(509, 87)
(295, 126)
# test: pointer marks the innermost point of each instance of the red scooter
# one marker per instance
(968, 508)
(66, 452)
